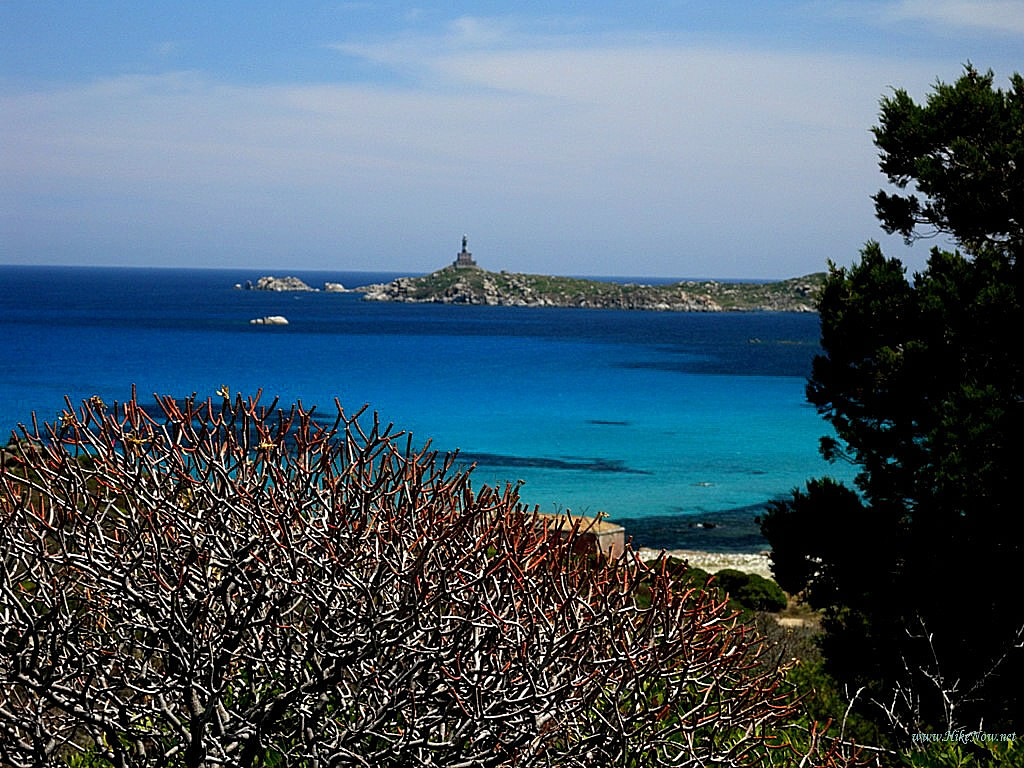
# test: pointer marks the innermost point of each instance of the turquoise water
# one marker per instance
(657, 419)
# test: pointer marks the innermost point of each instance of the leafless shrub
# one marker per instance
(926, 682)
(238, 585)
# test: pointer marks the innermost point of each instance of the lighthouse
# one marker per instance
(464, 259)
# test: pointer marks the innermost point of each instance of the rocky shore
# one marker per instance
(477, 286)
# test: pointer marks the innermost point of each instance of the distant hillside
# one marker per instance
(477, 286)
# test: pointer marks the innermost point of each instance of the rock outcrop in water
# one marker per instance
(455, 286)
(288, 283)
(269, 320)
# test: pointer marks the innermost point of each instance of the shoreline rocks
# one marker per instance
(269, 320)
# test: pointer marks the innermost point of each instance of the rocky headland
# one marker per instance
(477, 286)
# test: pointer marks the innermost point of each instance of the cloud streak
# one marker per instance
(1004, 17)
(1000, 18)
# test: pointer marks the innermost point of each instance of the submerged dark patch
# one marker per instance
(731, 530)
(604, 423)
(543, 462)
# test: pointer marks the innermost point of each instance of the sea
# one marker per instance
(680, 426)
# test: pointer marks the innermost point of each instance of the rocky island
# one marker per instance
(453, 285)
(269, 320)
(278, 284)
(287, 283)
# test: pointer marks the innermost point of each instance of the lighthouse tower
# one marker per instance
(464, 259)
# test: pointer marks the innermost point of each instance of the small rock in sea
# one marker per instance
(288, 283)
(269, 320)
(335, 288)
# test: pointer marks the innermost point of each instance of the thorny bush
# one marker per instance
(203, 584)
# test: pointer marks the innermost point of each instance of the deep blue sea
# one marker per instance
(664, 421)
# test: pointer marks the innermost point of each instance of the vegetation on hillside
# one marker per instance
(477, 286)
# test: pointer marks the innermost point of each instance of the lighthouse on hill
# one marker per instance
(464, 259)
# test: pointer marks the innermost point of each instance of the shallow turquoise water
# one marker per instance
(645, 416)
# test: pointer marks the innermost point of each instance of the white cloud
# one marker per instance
(1002, 17)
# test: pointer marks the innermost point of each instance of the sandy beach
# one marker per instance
(749, 562)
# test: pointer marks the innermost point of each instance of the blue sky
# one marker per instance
(718, 139)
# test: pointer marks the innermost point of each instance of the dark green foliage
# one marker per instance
(730, 580)
(923, 382)
(745, 592)
(971, 754)
(749, 591)
(761, 594)
(964, 152)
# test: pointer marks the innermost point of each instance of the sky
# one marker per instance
(673, 139)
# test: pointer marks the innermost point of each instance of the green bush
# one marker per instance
(951, 754)
(732, 581)
(761, 594)
(750, 591)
